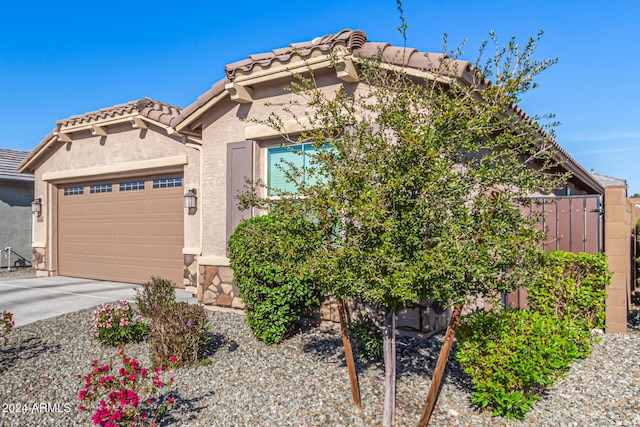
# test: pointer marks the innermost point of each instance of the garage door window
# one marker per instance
(167, 182)
(101, 188)
(132, 185)
(73, 191)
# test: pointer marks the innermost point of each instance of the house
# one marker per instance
(146, 188)
(16, 195)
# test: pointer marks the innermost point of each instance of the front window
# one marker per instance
(297, 155)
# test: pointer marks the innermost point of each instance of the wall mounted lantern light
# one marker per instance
(190, 199)
(36, 206)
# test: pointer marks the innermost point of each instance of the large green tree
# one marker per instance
(417, 179)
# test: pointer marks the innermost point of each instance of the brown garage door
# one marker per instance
(122, 230)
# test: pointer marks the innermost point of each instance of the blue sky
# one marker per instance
(63, 58)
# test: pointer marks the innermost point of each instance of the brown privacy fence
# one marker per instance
(572, 223)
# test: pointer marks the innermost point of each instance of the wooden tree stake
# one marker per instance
(434, 388)
(348, 355)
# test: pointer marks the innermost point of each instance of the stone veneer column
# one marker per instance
(38, 258)
(190, 270)
(618, 227)
(215, 287)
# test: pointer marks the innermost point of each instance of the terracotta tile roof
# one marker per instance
(9, 161)
(153, 110)
(215, 90)
(351, 39)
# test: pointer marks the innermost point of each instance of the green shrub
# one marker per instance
(178, 329)
(116, 324)
(572, 286)
(367, 337)
(512, 355)
(268, 256)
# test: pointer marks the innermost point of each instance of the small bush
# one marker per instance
(268, 257)
(512, 355)
(118, 324)
(159, 292)
(367, 337)
(572, 286)
(6, 324)
(178, 329)
(178, 334)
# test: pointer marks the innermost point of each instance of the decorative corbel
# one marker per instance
(239, 93)
(63, 137)
(138, 123)
(98, 130)
(346, 70)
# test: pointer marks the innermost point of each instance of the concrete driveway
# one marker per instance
(36, 298)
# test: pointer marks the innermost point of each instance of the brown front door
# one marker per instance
(124, 230)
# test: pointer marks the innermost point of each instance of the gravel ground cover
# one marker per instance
(302, 382)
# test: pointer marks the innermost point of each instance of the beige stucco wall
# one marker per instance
(225, 124)
(122, 145)
(621, 215)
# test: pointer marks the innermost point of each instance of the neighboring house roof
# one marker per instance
(607, 180)
(9, 161)
(160, 113)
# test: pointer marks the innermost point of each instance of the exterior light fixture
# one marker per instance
(36, 206)
(190, 199)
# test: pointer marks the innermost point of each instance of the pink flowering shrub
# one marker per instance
(118, 324)
(6, 324)
(124, 397)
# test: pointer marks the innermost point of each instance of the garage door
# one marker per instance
(122, 230)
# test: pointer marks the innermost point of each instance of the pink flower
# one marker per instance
(173, 359)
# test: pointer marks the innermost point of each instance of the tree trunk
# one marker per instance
(348, 355)
(434, 388)
(389, 334)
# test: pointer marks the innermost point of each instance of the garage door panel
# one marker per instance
(139, 251)
(73, 231)
(75, 249)
(132, 229)
(166, 228)
(101, 230)
(132, 208)
(69, 211)
(123, 236)
(165, 252)
(100, 250)
(100, 208)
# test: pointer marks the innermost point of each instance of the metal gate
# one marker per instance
(573, 224)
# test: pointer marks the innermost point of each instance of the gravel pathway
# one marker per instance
(302, 382)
